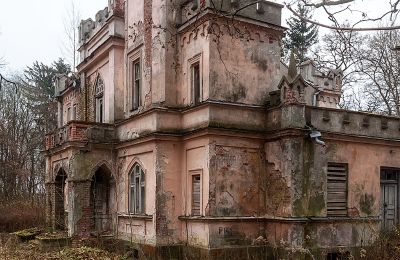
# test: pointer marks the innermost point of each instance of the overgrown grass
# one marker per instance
(21, 214)
(386, 247)
(31, 251)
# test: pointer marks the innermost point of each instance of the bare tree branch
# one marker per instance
(341, 28)
(329, 3)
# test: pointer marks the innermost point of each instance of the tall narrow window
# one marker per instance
(68, 114)
(137, 190)
(99, 95)
(136, 85)
(337, 189)
(74, 112)
(195, 82)
(196, 194)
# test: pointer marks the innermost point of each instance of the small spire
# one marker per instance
(292, 71)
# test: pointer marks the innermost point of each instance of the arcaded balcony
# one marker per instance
(78, 131)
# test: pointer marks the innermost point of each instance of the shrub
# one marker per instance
(21, 214)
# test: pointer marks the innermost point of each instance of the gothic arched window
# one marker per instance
(137, 190)
(99, 96)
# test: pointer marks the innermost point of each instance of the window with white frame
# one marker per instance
(137, 190)
(136, 85)
(99, 96)
(195, 80)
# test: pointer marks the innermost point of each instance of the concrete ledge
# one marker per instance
(280, 219)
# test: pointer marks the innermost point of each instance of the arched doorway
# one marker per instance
(102, 200)
(59, 199)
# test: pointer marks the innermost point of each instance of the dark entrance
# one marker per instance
(102, 200)
(59, 196)
(389, 197)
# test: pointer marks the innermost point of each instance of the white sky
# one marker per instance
(34, 29)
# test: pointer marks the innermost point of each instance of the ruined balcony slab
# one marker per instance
(76, 131)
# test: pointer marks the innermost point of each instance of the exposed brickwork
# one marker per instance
(84, 221)
(90, 99)
(77, 132)
(50, 199)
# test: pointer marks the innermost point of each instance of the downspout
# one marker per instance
(315, 135)
(314, 102)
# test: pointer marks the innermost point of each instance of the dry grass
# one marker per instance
(10, 249)
(21, 214)
(386, 247)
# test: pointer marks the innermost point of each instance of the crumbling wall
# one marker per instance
(100, 69)
(193, 45)
(139, 229)
(249, 73)
(168, 192)
(236, 170)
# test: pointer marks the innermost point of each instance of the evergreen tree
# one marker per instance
(39, 87)
(300, 35)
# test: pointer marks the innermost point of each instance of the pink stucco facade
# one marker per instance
(190, 131)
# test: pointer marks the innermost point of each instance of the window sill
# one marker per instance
(135, 216)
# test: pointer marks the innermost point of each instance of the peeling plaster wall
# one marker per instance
(168, 192)
(141, 230)
(261, 176)
(244, 68)
(195, 161)
(236, 169)
(364, 178)
(193, 44)
(110, 69)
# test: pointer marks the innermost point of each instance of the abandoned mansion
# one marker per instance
(182, 129)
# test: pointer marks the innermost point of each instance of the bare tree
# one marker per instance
(380, 66)
(338, 50)
(333, 9)
(71, 24)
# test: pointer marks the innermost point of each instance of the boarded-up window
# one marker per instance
(196, 181)
(337, 189)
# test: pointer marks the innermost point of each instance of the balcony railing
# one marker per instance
(80, 131)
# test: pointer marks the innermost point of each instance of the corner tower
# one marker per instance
(189, 52)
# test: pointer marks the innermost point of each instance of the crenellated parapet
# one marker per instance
(305, 84)
(328, 86)
(63, 82)
(88, 27)
(267, 12)
(352, 123)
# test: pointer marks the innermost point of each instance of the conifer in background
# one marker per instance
(301, 35)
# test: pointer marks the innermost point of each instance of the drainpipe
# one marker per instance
(315, 135)
(314, 102)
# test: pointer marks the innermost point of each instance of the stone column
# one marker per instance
(50, 203)
(80, 217)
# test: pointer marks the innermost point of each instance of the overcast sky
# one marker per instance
(34, 29)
